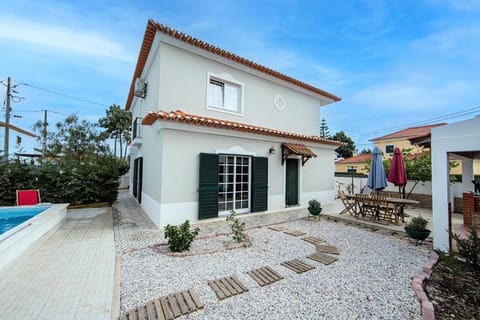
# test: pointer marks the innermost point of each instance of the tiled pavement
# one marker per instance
(70, 275)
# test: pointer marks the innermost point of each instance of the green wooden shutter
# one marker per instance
(259, 184)
(208, 186)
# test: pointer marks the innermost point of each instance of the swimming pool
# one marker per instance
(10, 217)
(32, 223)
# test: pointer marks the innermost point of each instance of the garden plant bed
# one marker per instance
(454, 290)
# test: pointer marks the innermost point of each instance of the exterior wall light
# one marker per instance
(272, 150)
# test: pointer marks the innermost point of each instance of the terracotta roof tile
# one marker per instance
(153, 27)
(182, 117)
(361, 158)
(300, 149)
(410, 133)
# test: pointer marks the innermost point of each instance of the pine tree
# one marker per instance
(324, 133)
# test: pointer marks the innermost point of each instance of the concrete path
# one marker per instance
(69, 275)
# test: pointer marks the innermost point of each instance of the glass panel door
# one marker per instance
(234, 184)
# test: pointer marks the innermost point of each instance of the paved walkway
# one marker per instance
(70, 275)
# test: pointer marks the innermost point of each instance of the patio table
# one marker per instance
(400, 204)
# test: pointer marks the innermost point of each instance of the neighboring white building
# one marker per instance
(458, 141)
(214, 132)
(21, 142)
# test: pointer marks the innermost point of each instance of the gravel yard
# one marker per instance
(371, 279)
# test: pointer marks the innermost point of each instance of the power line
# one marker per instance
(424, 122)
(66, 95)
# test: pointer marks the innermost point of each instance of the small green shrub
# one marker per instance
(180, 237)
(417, 224)
(314, 204)
(469, 248)
(238, 228)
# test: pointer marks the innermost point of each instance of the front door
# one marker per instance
(137, 178)
(291, 180)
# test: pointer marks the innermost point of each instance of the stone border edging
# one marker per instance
(428, 312)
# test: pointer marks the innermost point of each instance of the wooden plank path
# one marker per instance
(327, 249)
(166, 308)
(297, 265)
(322, 258)
(313, 240)
(227, 287)
(264, 275)
(294, 233)
(277, 228)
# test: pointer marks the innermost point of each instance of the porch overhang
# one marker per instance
(289, 149)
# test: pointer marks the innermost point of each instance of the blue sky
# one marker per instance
(394, 63)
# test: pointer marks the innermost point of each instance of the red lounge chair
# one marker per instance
(28, 197)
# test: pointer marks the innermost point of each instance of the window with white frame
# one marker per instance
(224, 95)
(234, 183)
(389, 148)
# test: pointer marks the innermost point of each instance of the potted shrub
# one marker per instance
(314, 207)
(417, 229)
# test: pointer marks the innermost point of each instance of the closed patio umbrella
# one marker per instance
(398, 173)
(376, 177)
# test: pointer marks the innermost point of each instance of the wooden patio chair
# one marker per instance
(366, 205)
(349, 204)
(28, 197)
(385, 211)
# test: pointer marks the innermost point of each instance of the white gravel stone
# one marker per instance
(370, 280)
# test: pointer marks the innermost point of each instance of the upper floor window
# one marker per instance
(224, 95)
(389, 148)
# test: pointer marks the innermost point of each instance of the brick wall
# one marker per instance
(471, 209)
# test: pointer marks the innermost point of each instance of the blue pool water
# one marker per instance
(11, 217)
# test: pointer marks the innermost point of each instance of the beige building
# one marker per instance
(415, 138)
(355, 164)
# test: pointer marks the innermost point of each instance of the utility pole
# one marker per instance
(7, 119)
(44, 133)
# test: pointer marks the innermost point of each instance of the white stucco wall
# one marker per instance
(183, 85)
(170, 190)
(462, 136)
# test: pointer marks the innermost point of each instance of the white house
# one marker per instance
(457, 141)
(21, 142)
(215, 132)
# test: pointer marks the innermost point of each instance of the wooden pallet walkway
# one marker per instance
(227, 287)
(264, 275)
(294, 233)
(322, 258)
(166, 308)
(297, 265)
(313, 240)
(327, 249)
(277, 228)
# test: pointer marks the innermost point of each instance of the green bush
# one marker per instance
(417, 224)
(469, 248)
(90, 180)
(238, 228)
(180, 237)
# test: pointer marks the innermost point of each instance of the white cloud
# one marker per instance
(77, 41)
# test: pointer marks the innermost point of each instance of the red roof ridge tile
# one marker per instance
(153, 27)
(411, 132)
(358, 158)
(181, 116)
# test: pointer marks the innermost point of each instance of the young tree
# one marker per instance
(74, 138)
(324, 132)
(117, 123)
(345, 151)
